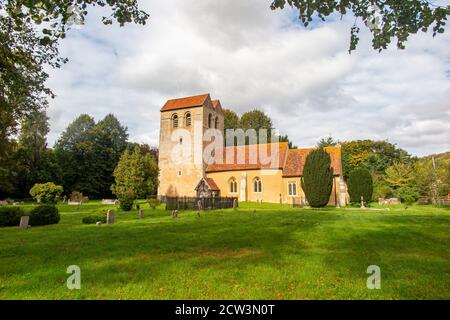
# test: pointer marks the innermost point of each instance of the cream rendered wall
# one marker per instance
(272, 184)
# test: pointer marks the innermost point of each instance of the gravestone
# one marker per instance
(141, 213)
(234, 203)
(175, 214)
(24, 222)
(199, 204)
(110, 217)
(99, 223)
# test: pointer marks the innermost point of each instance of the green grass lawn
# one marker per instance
(276, 253)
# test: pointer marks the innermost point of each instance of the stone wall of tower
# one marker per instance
(181, 162)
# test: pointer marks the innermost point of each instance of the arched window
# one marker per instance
(188, 119)
(257, 185)
(233, 185)
(292, 186)
(210, 120)
(216, 123)
(175, 121)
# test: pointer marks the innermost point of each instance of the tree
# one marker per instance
(317, 180)
(110, 139)
(326, 142)
(136, 175)
(430, 179)
(285, 138)
(386, 20)
(375, 156)
(407, 194)
(35, 162)
(399, 175)
(360, 185)
(256, 120)
(29, 35)
(231, 119)
(88, 154)
(75, 150)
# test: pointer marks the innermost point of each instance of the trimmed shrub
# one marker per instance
(44, 215)
(360, 184)
(46, 192)
(94, 218)
(317, 181)
(407, 195)
(126, 201)
(153, 203)
(10, 216)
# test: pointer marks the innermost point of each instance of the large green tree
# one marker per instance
(387, 20)
(257, 120)
(136, 175)
(29, 35)
(35, 162)
(77, 156)
(88, 154)
(110, 139)
(317, 180)
(399, 175)
(231, 119)
(374, 156)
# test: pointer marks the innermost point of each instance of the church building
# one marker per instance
(190, 167)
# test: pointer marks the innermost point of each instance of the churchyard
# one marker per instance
(258, 251)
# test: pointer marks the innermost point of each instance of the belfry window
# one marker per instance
(188, 119)
(216, 123)
(175, 121)
(210, 120)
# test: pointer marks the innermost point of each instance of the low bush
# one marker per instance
(126, 201)
(94, 218)
(153, 203)
(46, 192)
(10, 216)
(44, 215)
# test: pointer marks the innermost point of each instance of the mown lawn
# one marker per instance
(273, 253)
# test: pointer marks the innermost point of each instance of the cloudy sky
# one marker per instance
(251, 57)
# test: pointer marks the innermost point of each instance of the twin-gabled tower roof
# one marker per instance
(191, 102)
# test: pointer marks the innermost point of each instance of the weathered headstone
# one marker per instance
(24, 222)
(141, 213)
(99, 223)
(199, 204)
(362, 203)
(234, 203)
(110, 217)
(175, 214)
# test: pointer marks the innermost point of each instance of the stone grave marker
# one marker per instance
(110, 217)
(24, 220)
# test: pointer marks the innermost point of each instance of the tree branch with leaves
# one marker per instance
(386, 19)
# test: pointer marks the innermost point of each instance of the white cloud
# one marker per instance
(249, 56)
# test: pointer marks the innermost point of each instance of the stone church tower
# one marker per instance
(181, 146)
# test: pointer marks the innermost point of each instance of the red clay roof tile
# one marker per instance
(252, 160)
(187, 102)
(297, 157)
